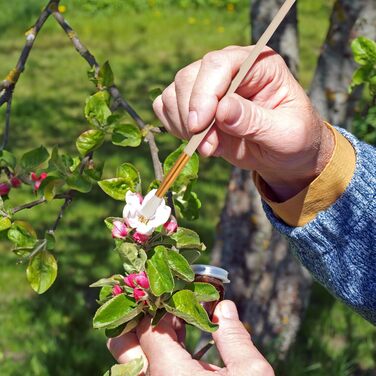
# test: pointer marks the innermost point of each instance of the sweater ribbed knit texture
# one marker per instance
(338, 247)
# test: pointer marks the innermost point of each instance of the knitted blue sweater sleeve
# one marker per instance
(338, 247)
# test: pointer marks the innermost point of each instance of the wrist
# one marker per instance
(282, 185)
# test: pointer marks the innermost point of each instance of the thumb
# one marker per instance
(234, 344)
(240, 117)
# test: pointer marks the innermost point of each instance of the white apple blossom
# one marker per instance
(134, 219)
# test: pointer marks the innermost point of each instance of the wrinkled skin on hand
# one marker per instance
(268, 125)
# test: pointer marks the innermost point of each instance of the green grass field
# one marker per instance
(51, 334)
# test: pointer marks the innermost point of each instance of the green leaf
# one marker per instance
(42, 271)
(95, 170)
(5, 223)
(154, 93)
(105, 292)
(80, 183)
(186, 238)
(180, 267)
(184, 304)
(109, 221)
(7, 159)
(132, 256)
(364, 51)
(22, 234)
(50, 187)
(189, 172)
(129, 172)
(34, 158)
(126, 135)
(132, 368)
(190, 254)
(117, 187)
(105, 75)
(204, 292)
(58, 163)
(50, 240)
(124, 328)
(155, 184)
(115, 312)
(189, 205)
(89, 140)
(97, 110)
(159, 273)
(111, 281)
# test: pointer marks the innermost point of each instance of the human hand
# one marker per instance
(164, 354)
(269, 125)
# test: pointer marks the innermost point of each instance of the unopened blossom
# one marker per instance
(132, 213)
(119, 230)
(171, 226)
(15, 182)
(140, 238)
(116, 290)
(137, 279)
(138, 293)
(38, 179)
(4, 189)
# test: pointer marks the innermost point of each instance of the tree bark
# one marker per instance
(329, 90)
(267, 284)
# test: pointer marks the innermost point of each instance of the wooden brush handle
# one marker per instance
(196, 139)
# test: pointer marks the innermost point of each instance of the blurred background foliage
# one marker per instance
(146, 43)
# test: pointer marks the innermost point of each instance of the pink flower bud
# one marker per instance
(34, 176)
(38, 179)
(43, 175)
(119, 231)
(116, 290)
(129, 280)
(15, 182)
(171, 226)
(4, 189)
(141, 280)
(137, 280)
(138, 293)
(140, 238)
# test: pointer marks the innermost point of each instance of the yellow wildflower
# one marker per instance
(62, 8)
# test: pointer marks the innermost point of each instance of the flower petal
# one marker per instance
(161, 216)
(133, 199)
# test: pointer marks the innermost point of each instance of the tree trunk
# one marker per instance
(329, 90)
(268, 285)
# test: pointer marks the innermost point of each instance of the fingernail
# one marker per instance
(228, 310)
(192, 120)
(234, 113)
(207, 148)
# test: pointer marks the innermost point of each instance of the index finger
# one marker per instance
(213, 79)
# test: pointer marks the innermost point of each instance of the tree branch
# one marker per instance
(114, 92)
(8, 85)
(40, 201)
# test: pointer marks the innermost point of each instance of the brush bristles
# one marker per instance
(172, 174)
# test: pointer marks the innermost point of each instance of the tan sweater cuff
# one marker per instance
(322, 192)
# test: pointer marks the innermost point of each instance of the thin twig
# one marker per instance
(114, 92)
(8, 85)
(7, 122)
(66, 203)
(40, 201)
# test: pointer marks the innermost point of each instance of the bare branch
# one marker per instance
(67, 202)
(40, 201)
(114, 92)
(7, 122)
